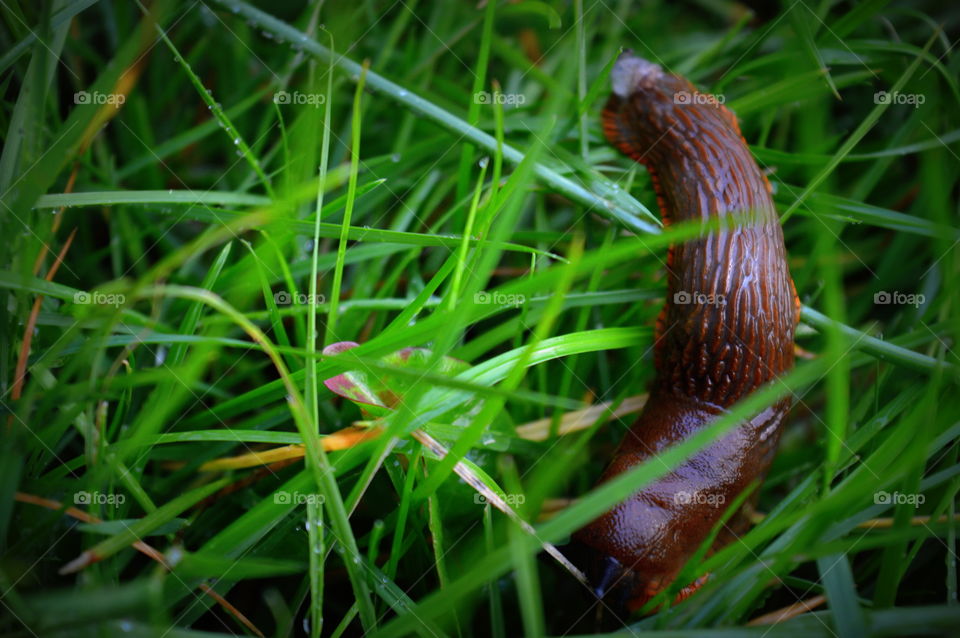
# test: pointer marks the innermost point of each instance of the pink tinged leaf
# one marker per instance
(352, 385)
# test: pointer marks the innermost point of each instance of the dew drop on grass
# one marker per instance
(402, 93)
(395, 158)
(483, 162)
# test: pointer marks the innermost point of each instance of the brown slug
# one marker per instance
(727, 328)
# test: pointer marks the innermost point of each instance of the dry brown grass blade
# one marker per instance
(339, 440)
(494, 499)
(788, 612)
(539, 430)
(140, 546)
(21, 370)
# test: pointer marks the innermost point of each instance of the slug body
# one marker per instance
(727, 329)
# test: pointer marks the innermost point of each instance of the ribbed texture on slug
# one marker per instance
(726, 329)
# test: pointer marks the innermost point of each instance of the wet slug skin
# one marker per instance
(727, 328)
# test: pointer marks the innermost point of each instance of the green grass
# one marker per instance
(284, 176)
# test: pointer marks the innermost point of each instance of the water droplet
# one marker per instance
(402, 93)
(483, 162)
(395, 157)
